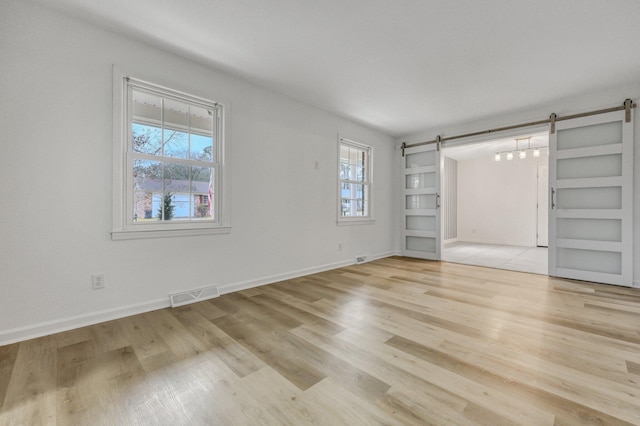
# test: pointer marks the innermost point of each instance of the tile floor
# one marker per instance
(515, 258)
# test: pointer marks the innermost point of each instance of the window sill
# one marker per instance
(349, 222)
(167, 233)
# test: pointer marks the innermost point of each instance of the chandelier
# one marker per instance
(521, 152)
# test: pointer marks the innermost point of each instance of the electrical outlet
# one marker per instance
(339, 246)
(97, 281)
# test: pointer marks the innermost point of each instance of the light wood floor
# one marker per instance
(395, 341)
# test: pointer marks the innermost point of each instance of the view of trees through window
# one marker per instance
(173, 149)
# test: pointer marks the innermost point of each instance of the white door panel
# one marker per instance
(590, 216)
(421, 202)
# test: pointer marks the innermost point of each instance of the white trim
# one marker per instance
(355, 221)
(165, 233)
(64, 324)
(56, 326)
(230, 288)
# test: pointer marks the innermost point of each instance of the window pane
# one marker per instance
(176, 114)
(147, 180)
(143, 206)
(176, 143)
(356, 191)
(176, 178)
(157, 206)
(166, 206)
(344, 170)
(345, 207)
(145, 172)
(353, 156)
(344, 154)
(345, 191)
(202, 188)
(146, 139)
(181, 203)
(201, 120)
(365, 201)
(201, 148)
(353, 172)
(146, 108)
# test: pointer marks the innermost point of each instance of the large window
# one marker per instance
(354, 182)
(171, 151)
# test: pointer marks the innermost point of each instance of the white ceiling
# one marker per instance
(399, 66)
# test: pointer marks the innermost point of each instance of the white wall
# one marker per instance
(610, 98)
(497, 200)
(56, 171)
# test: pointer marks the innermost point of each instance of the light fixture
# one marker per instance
(522, 152)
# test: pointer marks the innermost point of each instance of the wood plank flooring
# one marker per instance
(395, 341)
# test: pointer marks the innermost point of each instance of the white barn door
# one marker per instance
(591, 198)
(421, 197)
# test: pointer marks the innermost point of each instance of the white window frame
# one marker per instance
(124, 226)
(368, 182)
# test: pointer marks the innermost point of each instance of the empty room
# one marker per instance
(495, 203)
(242, 212)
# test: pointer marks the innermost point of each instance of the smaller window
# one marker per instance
(354, 176)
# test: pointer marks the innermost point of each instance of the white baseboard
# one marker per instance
(56, 326)
(244, 285)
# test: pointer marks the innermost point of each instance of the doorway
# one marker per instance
(501, 187)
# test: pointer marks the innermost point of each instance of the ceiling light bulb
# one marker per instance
(509, 155)
(497, 157)
(523, 154)
(536, 152)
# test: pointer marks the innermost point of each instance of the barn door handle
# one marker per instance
(553, 193)
(437, 200)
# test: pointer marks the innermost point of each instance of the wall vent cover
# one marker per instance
(361, 259)
(191, 296)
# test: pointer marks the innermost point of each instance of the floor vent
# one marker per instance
(361, 259)
(191, 296)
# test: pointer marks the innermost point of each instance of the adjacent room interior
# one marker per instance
(495, 202)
